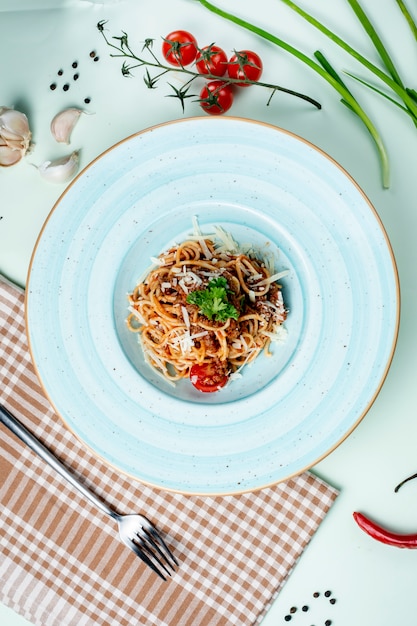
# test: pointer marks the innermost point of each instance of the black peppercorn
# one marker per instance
(304, 608)
(66, 87)
(75, 65)
(327, 594)
(87, 100)
(52, 86)
(287, 618)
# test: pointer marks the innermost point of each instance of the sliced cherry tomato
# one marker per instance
(180, 48)
(211, 60)
(216, 97)
(208, 377)
(245, 65)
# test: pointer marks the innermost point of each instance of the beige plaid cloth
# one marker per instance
(61, 561)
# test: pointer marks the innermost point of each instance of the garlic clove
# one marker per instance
(16, 145)
(61, 170)
(14, 121)
(9, 156)
(15, 135)
(63, 124)
(10, 136)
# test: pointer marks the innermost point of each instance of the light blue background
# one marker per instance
(374, 584)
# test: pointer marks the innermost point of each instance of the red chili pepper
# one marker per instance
(385, 536)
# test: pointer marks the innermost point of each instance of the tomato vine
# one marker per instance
(155, 69)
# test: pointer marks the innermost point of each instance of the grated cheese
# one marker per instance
(185, 316)
(279, 335)
(136, 313)
(157, 261)
(272, 279)
(185, 341)
(228, 243)
(188, 279)
(255, 277)
(196, 226)
(206, 250)
(183, 286)
(155, 361)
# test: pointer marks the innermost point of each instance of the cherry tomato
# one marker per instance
(211, 60)
(180, 48)
(245, 65)
(216, 97)
(207, 377)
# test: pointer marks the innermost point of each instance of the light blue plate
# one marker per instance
(267, 187)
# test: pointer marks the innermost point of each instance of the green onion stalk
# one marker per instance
(408, 17)
(325, 72)
(392, 79)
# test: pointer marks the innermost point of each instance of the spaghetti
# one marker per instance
(206, 307)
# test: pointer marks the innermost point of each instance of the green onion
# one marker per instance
(384, 95)
(376, 40)
(347, 97)
(408, 17)
(393, 81)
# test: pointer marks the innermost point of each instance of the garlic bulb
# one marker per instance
(15, 136)
(60, 170)
(63, 124)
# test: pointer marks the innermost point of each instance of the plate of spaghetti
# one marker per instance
(206, 310)
(212, 305)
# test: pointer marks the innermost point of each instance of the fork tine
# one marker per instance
(142, 555)
(144, 545)
(154, 537)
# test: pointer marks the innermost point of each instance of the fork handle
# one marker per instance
(30, 440)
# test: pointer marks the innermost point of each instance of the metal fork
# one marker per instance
(136, 531)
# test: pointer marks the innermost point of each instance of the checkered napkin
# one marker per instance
(61, 561)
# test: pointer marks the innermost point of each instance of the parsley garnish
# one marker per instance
(213, 301)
